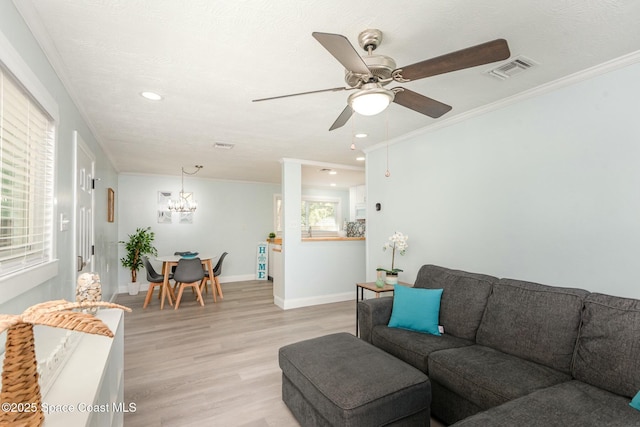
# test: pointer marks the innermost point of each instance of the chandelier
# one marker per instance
(185, 202)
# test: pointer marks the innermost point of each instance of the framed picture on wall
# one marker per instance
(111, 196)
(186, 217)
(164, 214)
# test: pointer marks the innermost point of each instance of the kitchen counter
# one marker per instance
(330, 239)
(278, 241)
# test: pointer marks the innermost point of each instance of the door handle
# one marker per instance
(80, 263)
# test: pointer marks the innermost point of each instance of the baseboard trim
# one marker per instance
(287, 304)
(144, 286)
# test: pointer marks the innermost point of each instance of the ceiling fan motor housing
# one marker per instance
(370, 39)
(380, 66)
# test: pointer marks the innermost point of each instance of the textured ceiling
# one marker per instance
(209, 59)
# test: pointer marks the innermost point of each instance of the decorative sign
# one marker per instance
(262, 261)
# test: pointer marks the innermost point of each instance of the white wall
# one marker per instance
(231, 216)
(546, 190)
(63, 285)
(314, 272)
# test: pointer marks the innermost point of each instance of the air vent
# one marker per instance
(329, 171)
(223, 146)
(511, 68)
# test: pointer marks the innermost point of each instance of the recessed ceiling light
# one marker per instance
(151, 95)
(360, 159)
(333, 184)
(332, 172)
(361, 135)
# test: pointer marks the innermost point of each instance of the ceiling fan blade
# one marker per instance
(335, 89)
(340, 47)
(420, 103)
(343, 118)
(473, 56)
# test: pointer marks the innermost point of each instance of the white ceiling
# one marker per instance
(209, 59)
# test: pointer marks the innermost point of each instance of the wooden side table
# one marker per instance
(371, 286)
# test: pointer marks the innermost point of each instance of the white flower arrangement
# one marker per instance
(397, 242)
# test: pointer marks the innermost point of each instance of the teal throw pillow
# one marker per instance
(416, 309)
(635, 402)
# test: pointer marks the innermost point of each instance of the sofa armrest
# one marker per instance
(373, 312)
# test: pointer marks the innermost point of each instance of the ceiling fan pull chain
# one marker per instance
(387, 173)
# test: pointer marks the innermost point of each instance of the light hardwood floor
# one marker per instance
(217, 365)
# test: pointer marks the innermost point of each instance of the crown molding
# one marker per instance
(41, 35)
(600, 69)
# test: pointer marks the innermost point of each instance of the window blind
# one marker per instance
(26, 186)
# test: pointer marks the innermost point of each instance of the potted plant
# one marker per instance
(272, 236)
(140, 243)
(397, 241)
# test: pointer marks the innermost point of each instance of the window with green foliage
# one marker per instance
(319, 216)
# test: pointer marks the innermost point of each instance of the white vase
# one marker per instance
(134, 288)
(391, 279)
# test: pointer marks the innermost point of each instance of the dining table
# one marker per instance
(169, 261)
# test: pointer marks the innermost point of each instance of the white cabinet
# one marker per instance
(275, 257)
(89, 391)
(357, 202)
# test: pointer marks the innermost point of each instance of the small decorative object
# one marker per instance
(397, 241)
(89, 289)
(380, 278)
(19, 370)
(140, 243)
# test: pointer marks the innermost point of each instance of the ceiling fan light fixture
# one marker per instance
(371, 99)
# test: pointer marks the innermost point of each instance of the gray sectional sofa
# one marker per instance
(519, 353)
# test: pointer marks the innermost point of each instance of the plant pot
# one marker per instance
(134, 288)
(391, 279)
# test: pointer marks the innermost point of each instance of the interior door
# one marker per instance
(85, 163)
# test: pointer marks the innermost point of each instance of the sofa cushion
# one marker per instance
(568, 404)
(536, 322)
(416, 309)
(464, 297)
(608, 348)
(487, 377)
(413, 347)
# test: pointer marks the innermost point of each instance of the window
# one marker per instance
(319, 216)
(26, 181)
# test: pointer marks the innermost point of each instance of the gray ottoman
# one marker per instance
(340, 380)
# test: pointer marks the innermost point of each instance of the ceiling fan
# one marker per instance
(368, 75)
